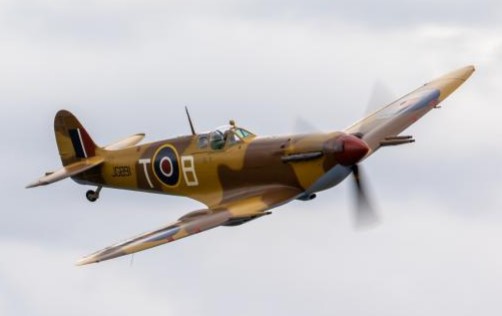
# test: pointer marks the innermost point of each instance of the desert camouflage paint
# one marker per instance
(236, 174)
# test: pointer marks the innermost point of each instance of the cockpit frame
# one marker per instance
(223, 137)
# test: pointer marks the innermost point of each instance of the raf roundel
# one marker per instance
(166, 166)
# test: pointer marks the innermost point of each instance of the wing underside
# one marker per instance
(384, 126)
(238, 210)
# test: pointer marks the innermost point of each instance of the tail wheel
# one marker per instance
(93, 196)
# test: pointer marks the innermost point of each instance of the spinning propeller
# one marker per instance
(350, 150)
(365, 214)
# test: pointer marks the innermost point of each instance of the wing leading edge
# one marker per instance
(388, 122)
(235, 212)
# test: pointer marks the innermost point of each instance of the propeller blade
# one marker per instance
(380, 96)
(303, 126)
(365, 214)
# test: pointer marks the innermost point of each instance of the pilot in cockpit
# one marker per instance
(229, 134)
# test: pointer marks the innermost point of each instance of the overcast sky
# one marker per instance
(131, 66)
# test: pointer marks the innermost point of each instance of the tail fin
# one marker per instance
(74, 143)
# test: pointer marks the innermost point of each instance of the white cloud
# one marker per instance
(40, 281)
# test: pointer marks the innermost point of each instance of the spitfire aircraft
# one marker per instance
(238, 175)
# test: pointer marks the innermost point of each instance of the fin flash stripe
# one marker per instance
(82, 143)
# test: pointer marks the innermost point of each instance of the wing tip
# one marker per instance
(85, 261)
(35, 184)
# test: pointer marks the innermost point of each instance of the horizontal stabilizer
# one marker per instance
(126, 142)
(68, 171)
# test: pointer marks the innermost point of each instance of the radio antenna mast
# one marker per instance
(190, 121)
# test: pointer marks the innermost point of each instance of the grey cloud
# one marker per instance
(104, 23)
(397, 265)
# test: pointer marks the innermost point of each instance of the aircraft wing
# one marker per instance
(384, 126)
(236, 211)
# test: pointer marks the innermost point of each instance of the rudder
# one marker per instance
(74, 143)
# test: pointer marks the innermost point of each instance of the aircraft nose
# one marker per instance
(352, 150)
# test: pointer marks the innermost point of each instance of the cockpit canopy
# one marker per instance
(222, 136)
